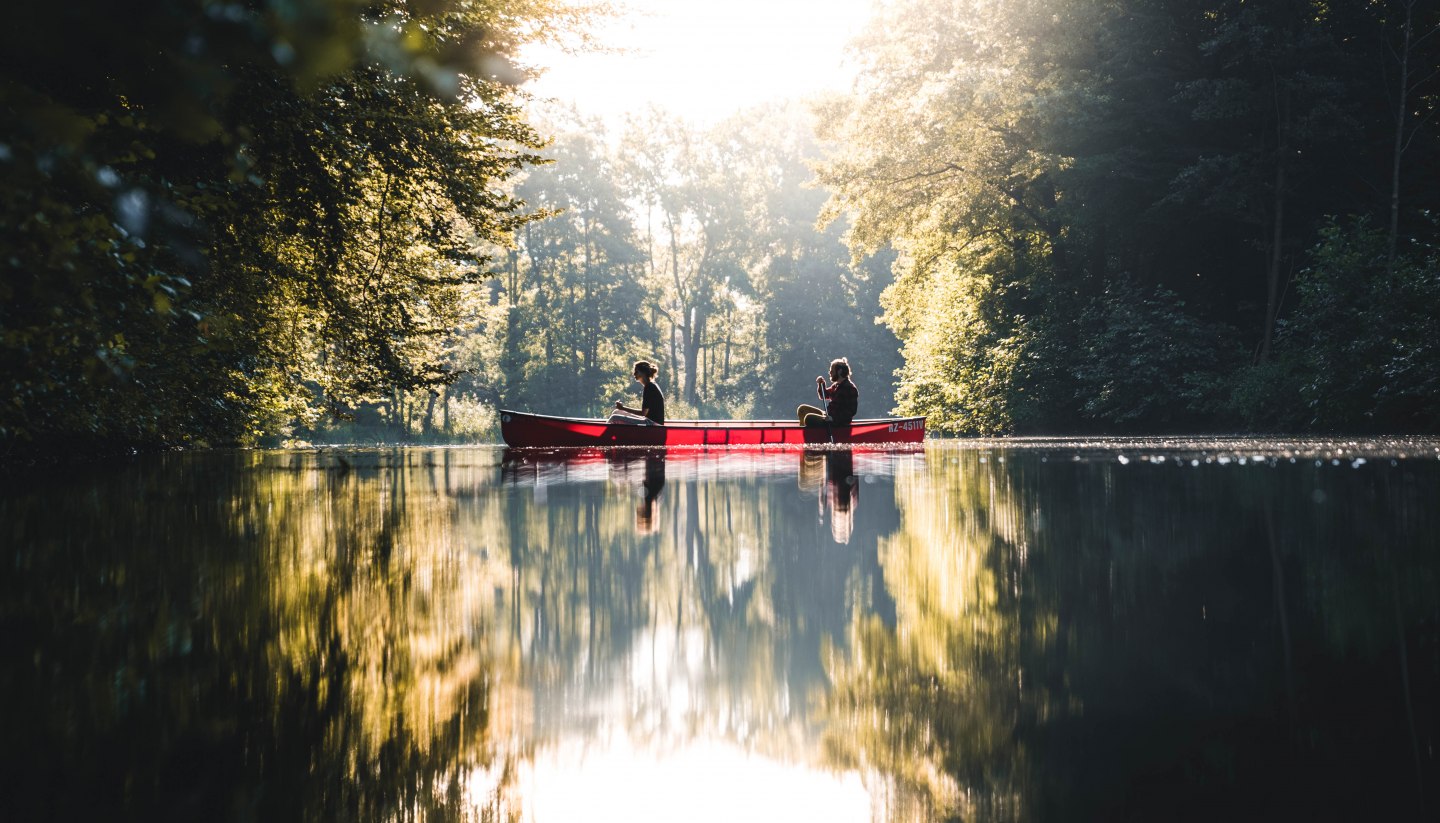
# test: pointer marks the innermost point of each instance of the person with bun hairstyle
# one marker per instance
(652, 402)
(841, 398)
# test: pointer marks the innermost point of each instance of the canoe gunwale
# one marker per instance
(527, 429)
(707, 424)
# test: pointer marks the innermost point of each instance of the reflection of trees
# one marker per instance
(390, 634)
(273, 637)
(711, 624)
(1086, 641)
(601, 608)
(929, 704)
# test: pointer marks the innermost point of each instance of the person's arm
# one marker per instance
(820, 388)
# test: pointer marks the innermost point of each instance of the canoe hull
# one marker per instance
(521, 430)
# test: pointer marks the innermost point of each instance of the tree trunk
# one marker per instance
(445, 412)
(427, 425)
(1401, 103)
(1277, 229)
(1272, 290)
(1099, 256)
(674, 356)
(729, 337)
(691, 343)
(592, 321)
(514, 271)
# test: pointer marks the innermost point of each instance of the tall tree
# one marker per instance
(577, 306)
(1080, 194)
(695, 228)
(937, 157)
(1277, 88)
(1413, 31)
(817, 303)
(245, 212)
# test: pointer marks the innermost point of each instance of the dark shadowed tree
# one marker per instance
(220, 218)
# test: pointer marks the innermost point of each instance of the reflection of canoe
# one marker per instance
(546, 467)
(522, 429)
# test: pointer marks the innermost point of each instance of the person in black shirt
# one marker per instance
(652, 402)
(841, 398)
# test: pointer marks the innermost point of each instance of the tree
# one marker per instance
(1281, 104)
(577, 307)
(1361, 344)
(246, 212)
(938, 156)
(1078, 193)
(688, 183)
(1413, 88)
(816, 303)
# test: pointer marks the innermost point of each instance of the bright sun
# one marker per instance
(705, 59)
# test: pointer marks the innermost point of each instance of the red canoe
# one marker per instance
(521, 429)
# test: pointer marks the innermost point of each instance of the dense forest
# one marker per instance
(1152, 214)
(325, 219)
(694, 247)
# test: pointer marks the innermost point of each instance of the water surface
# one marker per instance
(1006, 630)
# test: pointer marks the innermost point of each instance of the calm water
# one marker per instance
(1041, 630)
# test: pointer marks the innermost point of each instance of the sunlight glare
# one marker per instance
(706, 779)
(705, 60)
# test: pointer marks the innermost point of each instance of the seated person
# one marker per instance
(841, 398)
(652, 402)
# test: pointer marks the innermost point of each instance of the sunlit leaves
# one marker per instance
(1028, 160)
(940, 158)
(577, 308)
(278, 205)
(934, 702)
(303, 634)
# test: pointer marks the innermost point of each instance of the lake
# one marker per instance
(975, 630)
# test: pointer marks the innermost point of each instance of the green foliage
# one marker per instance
(692, 195)
(222, 223)
(1144, 359)
(1264, 395)
(574, 300)
(220, 220)
(818, 303)
(693, 248)
(960, 358)
(1364, 339)
(1027, 159)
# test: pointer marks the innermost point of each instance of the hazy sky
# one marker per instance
(704, 59)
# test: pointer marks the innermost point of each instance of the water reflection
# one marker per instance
(641, 469)
(244, 636)
(732, 591)
(997, 634)
(1090, 636)
(841, 492)
(653, 484)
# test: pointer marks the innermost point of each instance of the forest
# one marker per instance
(272, 221)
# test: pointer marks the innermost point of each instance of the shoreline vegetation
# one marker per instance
(250, 224)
